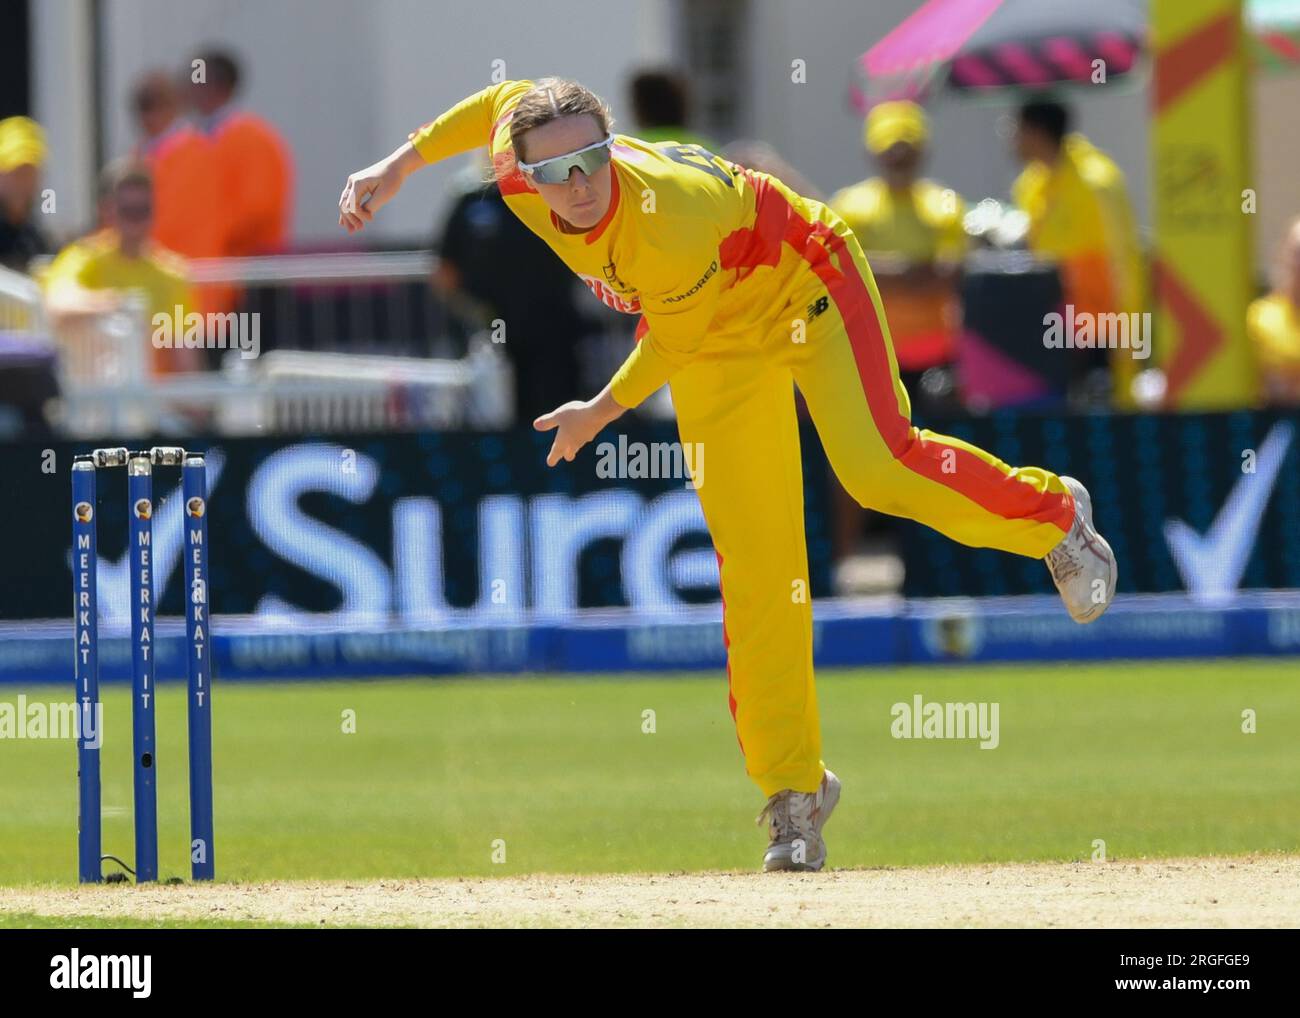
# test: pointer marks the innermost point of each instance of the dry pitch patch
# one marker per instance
(1245, 891)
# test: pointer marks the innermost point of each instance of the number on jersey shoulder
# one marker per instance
(701, 159)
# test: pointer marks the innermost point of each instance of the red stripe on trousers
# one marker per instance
(726, 646)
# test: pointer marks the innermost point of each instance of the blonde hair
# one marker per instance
(552, 98)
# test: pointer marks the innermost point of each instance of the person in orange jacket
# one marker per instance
(254, 161)
(187, 214)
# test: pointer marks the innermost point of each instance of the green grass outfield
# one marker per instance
(1149, 757)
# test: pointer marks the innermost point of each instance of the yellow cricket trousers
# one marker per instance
(833, 342)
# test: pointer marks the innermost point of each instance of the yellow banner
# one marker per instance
(1203, 271)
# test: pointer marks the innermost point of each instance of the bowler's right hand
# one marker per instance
(366, 191)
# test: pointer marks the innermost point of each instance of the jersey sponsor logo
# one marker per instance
(611, 298)
(697, 287)
(817, 307)
(612, 277)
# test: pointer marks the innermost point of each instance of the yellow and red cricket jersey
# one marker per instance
(747, 289)
(680, 244)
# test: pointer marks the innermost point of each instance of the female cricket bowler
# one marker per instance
(746, 289)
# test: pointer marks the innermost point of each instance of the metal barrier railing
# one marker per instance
(352, 376)
(292, 392)
(374, 302)
(314, 268)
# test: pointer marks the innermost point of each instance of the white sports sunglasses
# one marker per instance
(556, 170)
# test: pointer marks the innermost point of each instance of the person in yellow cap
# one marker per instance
(911, 229)
(22, 154)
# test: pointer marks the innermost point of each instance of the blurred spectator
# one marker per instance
(27, 366)
(1081, 218)
(188, 214)
(80, 248)
(94, 276)
(1273, 323)
(253, 161)
(22, 154)
(487, 253)
(661, 107)
(911, 231)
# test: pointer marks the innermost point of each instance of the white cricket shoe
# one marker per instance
(1082, 564)
(795, 821)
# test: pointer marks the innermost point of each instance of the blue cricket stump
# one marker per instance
(139, 472)
(142, 607)
(197, 633)
(86, 669)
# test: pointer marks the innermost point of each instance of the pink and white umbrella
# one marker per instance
(972, 45)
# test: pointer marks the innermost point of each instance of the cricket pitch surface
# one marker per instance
(1241, 891)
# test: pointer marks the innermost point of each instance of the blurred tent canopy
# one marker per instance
(978, 46)
(974, 45)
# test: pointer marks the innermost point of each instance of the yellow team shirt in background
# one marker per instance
(680, 244)
(1080, 216)
(97, 263)
(919, 225)
(1273, 325)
